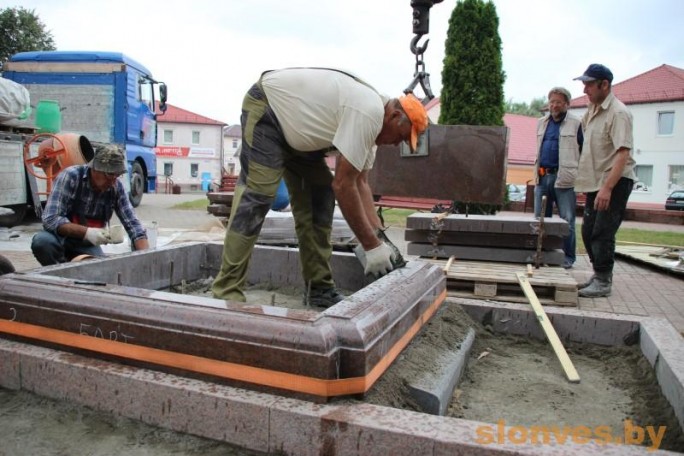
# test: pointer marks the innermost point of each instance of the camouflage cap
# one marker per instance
(109, 159)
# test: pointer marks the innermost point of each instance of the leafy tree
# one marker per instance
(472, 75)
(534, 109)
(21, 30)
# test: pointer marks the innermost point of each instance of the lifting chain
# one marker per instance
(421, 26)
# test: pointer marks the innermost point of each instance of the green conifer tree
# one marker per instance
(472, 75)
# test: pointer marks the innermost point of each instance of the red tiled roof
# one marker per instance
(663, 83)
(430, 104)
(522, 141)
(175, 114)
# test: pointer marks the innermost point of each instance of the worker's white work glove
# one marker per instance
(116, 234)
(97, 236)
(378, 260)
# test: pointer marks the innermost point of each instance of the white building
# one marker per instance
(656, 100)
(232, 140)
(189, 151)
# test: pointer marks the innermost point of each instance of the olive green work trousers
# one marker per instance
(265, 158)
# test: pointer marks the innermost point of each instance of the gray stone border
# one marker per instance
(270, 423)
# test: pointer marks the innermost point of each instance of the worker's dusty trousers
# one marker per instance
(265, 158)
(50, 248)
(600, 227)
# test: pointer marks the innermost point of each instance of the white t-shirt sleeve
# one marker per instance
(355, 137)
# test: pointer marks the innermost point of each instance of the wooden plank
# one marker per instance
(505, 277)
(485, 290)
(566, 296)
(448, 264)
(477, 279)
(508, 298)
(552, 336)
(502, 272)
(511, 292)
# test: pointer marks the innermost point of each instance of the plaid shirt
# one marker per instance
(62, 204)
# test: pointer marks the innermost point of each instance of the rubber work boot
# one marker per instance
(323, 297)
(599, 287)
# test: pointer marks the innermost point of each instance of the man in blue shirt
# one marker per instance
(559, 144)
(77, 212)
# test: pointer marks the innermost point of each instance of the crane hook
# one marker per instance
(418, 50)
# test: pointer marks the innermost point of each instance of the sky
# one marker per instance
(209, 52)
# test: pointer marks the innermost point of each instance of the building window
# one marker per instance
(644, 180)
(194, 169)
(234, 143)
(676, 180)
(665, 123)
(168, 169)
(168, 136)
(195, 137)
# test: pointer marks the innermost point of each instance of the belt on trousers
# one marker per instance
(544, 171)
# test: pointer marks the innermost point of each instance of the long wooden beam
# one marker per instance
(556, 344)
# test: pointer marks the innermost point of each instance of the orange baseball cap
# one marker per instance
(417, 114)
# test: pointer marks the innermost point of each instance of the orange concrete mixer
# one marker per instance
(45, 155)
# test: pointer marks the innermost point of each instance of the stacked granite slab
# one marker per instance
(510, 239)
(220, 203)
(279, 226)
(279, 229)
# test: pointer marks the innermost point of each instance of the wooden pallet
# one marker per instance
(497, 281)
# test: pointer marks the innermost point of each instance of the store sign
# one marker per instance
(185, 152)
(202, 152)
(172, 151)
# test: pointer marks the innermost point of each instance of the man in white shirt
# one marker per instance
(605, 174)
(290, 119)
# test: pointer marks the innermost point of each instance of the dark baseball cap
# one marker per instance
(594, 72)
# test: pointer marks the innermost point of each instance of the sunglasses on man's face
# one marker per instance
(111, 175)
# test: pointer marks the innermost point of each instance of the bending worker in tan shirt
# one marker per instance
(290, 119)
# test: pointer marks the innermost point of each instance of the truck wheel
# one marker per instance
(137, 184)
(10, 220)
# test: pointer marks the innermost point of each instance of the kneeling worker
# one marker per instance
(77, 212)
(290, 119)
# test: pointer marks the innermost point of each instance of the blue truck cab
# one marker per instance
(105, 96)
